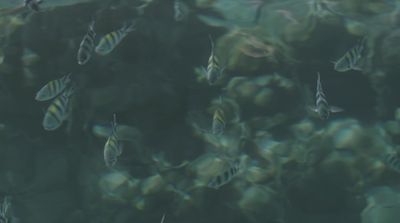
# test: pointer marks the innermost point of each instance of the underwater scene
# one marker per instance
(200, 111)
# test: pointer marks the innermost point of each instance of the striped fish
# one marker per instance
(392, 160)
(213, 71)
(218, 124)
(321, 106)
(352, 59)
(87, 45)
(226, 176)
(53, 88)
(108, 42)
(112, 148)
(181, 10)
(58, 110)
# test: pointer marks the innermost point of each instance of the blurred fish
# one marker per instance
(288, 15)
(87, 45)
(321, 106)
(253, 47)
(163, 218)
(181, 10)
(29, 57)
(33, 4)
(112, 148)
(4, 216)
(392, 160)
(53, 88)
(321, 8)
(58, 111)
(218, 123)
(226, 176)
(213, 71)
(108, 42)
(351, 59)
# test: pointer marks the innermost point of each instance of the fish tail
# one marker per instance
(129, 26)
(212, 42)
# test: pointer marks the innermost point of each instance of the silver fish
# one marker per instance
(181, 10)
(113, 147)
(87, 45)
(321, 106)
(226, 176)
(53, 88)
(108, 42)
(58, 111)
(213, 71)
(352, 59)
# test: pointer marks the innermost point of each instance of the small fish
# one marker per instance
(351, 59)
(108, 42)
(392, 160)
(213, 71)
(58, 111)
(112, 148)
(181, 10)
(227, 175)
(33, 4)
(87, 45)
(218, 123)
(53, 88)
(321, 106)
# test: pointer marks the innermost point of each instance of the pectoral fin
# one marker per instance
(335, 109)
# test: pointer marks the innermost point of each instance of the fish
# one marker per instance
(4, 210)
(351, 60)
(163, 218)
(53, 88)
(218, 123)
(33, 5)
(213, 71)
(392, 160)
(226, 176)
(87, 45)
(58, 111)
(321, 105)
(108, 42)
(181, 10)
(113, 147)
(320, 8)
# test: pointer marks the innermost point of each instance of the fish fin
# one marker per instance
(129, 26)
(312, 108)
(203, 70)
(335, 109)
